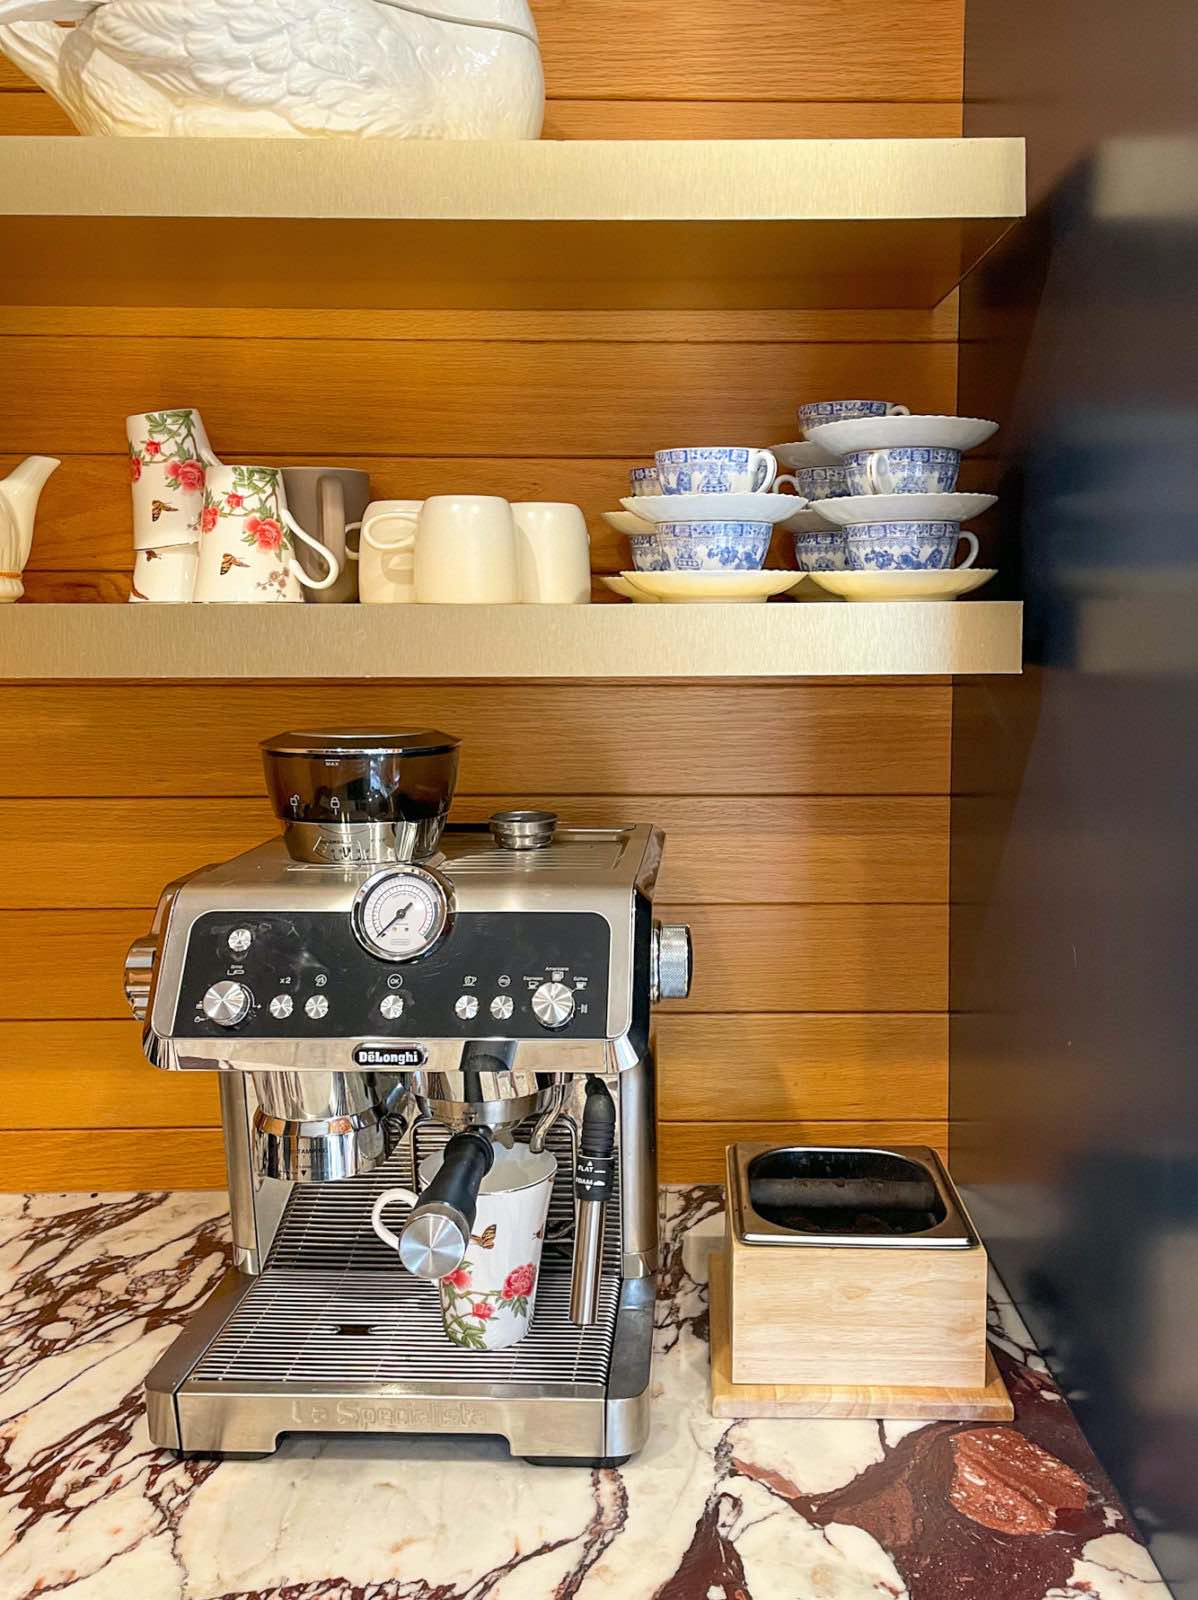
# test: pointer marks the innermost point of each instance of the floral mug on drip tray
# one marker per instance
(488, 1301)
(247, 534)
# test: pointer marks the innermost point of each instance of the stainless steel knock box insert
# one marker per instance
(897, 1196)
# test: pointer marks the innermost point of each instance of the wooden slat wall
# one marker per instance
(807, 823)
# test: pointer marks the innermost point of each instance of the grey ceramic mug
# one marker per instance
(325, 501)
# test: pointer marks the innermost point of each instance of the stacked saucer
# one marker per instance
(700, 524)
(890, 527)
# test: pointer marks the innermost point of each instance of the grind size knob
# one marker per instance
(227, 1003)
(553, 1005)
(671, 961)
(139, 972)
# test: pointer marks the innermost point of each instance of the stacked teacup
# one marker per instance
(706, 508)
(888, 500)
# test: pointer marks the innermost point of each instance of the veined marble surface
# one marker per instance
(93, 1288)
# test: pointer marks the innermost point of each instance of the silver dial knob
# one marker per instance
(502, 1007)
(227, 1003)
(316, 1006)
(553, 1005)
(671, 976)
(391, 1006)
(282, 1006)
(240, 940)
(139, 973)
(466, 1007)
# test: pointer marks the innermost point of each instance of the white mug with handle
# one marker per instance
(487, 1302)
(465, 549)
(385, 569)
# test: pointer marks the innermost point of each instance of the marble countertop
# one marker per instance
(94, 1287)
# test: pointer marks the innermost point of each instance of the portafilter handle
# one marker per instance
(436, 1236)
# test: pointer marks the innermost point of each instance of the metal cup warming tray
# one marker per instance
(897, 1196)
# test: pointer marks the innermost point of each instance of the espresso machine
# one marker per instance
(375, 987)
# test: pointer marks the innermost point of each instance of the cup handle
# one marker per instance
(408, 540)
(786, 477)
(974, 547)
(380, 1205)
(898, 411)
(350, 553)
(330, 559)
(769, 482)
(871, 473)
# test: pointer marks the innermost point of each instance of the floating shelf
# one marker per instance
(599, 641)
(777, 223)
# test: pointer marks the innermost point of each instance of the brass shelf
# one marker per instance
(779, 223)
(782, 640)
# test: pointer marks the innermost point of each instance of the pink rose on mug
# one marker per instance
(208, 519)
(265, 532)
(186, 474)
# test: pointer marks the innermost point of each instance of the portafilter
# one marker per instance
(361, 795)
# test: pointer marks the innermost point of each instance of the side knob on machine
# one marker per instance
(671, 961)
(139, 974)
(553, 1005)
(227, 1003)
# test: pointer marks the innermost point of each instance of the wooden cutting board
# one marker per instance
(728, 1399)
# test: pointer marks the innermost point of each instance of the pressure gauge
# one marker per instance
(400, 913)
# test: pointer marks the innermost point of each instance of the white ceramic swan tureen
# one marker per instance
(448, 69)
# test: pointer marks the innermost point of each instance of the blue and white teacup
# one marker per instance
(713, 546)
(902, 469)
(905, 546)
(821, 483)
(716, 469)
(821, 552)
(644, 480)
(820, 411)
(646, 555)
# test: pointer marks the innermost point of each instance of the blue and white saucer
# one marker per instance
(850, 508)
(771, 508)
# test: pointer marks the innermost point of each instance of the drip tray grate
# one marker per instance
(373, 1327)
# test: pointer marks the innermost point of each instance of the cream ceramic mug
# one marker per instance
(487, 1303)
(553, 553)
(166, 576)
(247, 541)
(465, 549)
(385, 571)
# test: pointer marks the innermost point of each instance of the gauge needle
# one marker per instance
(398, 917)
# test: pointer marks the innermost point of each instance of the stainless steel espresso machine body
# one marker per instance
(373, 988)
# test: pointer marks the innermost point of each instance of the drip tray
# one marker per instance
(371, 1328)
(898, 1196)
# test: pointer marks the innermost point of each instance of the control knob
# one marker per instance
(671, 961)
(553, 1005)
(139, 973)
(227, 1003)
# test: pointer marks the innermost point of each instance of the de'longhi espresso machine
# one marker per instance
(374, 987)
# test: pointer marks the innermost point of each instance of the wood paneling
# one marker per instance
(112, 1158)
(806, 823)
(822, 1068)
(752, 958)
(36, 114)
(830, 1067)
(583, 739)
(852, 849)
(693, 1152)
(450, 398)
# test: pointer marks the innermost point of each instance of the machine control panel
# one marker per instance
(294, 975)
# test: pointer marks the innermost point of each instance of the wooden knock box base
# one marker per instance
(989, 1403)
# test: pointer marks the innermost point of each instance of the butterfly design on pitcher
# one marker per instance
(485, 1239)
(228, 562)
(157, 507)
